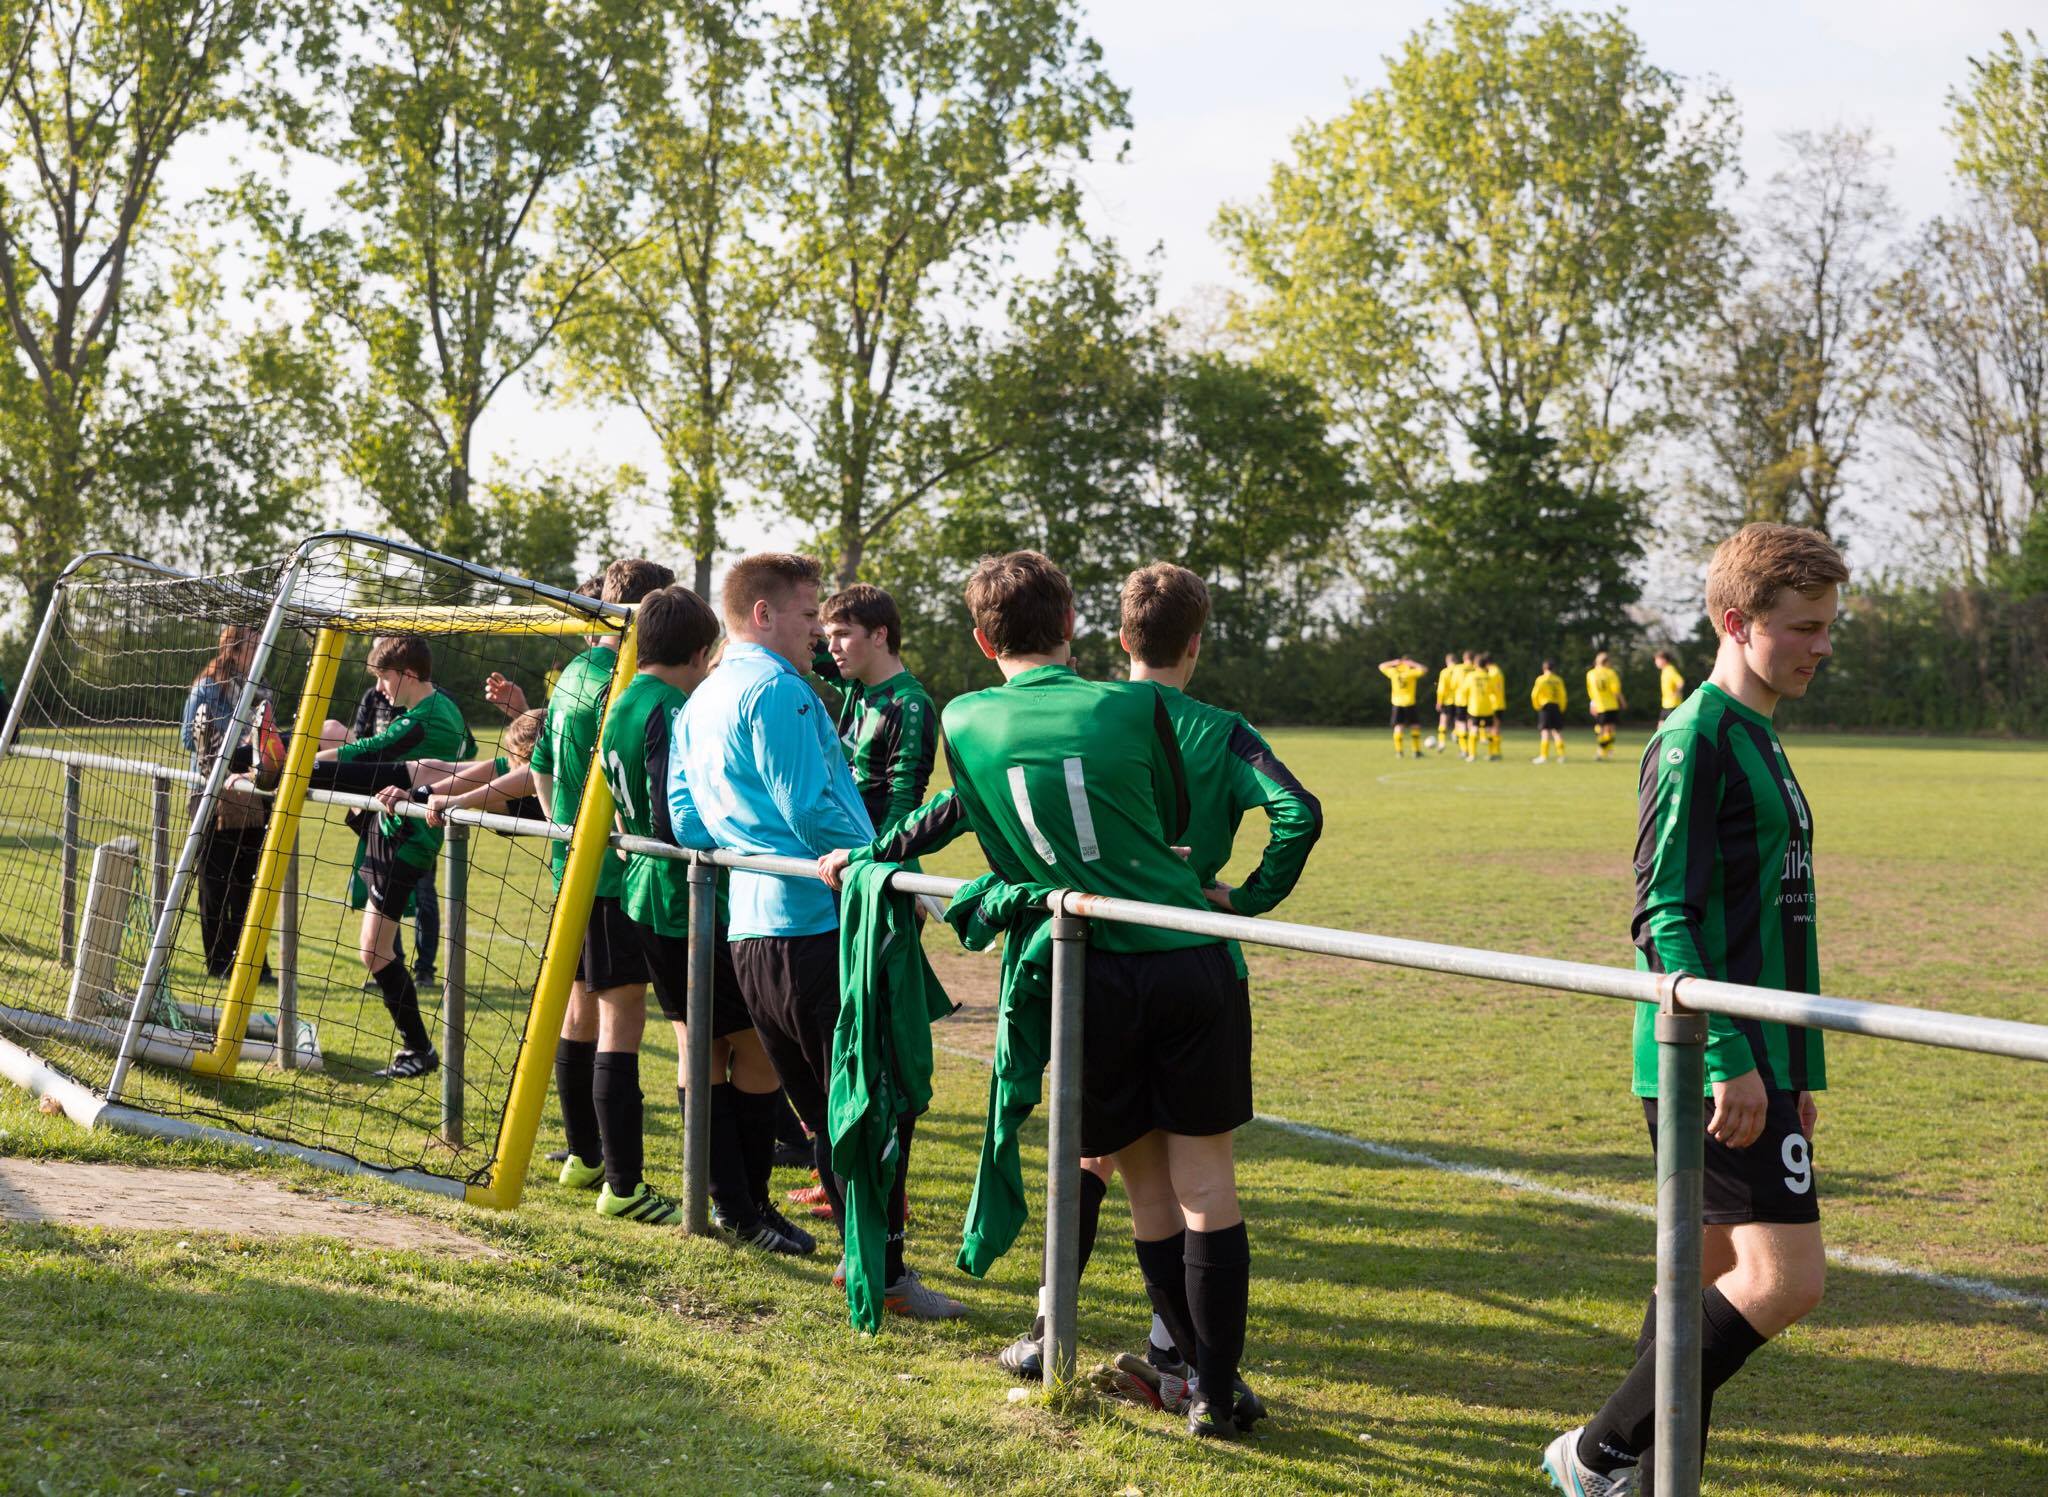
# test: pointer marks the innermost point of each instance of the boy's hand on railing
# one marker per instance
(391, 797)
(832, 866)
(1739, 1109)
(438, 807)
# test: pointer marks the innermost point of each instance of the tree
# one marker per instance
(1786, 375)
(923, 141)
(687, 325)
(93, 100)
(1504, 237)
(465, 132)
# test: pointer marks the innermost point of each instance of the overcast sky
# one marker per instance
(1219, 86)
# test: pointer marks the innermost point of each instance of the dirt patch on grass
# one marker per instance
(125, 1198)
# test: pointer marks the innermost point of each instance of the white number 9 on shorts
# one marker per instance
(1798, 1157)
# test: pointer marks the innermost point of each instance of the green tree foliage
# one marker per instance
(687, 325)
(1506, 235)
(464, 132)
(923, 141)
(124, 401)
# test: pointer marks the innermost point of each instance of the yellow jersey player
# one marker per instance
(1482, 711)
(1605, 698)
(1461, 714)
(1547, 696)
(1402, 674)
(1497, 699)
(1670, 686)
(1447, 701)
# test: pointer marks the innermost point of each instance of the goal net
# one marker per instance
(184, 882)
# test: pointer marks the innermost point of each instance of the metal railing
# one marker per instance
(1683, 1003)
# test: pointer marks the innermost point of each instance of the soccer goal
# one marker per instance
(182, 882)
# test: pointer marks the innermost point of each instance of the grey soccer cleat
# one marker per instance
(914, 1299)
(1575, 1478)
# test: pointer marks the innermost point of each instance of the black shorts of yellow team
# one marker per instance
(1550, 718)
(1166, 1044)
(1606, 719)
(1480, 722)
(1407, 717)
(1773, 1180)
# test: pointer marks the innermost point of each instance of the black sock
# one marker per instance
(615, 1088)
(730, 1192)
(1219, 1276)
(757, 1138)
(821, 1154)
(1166, 1285)
(1647, 1336)
(1093, 1189)
(1620, 1434)
(402, 1002)
(573, 1062)
(899, 1202)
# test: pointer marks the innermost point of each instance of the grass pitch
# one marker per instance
(1416, 1331)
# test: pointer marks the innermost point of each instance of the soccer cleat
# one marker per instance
(839, 1273)
(1136, 1380)
(1540, 759)
(576, 1175)
(1022, 1358)
(645, 1204)
(1246, 1407)
(761, 1235)
(1205, 1421)
(1574, 1478)
(558, 1156)
(806, 1243)
(808, 1195)
(914, 1299)
(407, 1063)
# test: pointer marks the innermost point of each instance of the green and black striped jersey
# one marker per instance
(1230, 770)
(565, 746)
(1072, 783)
(891, 733)
(432, 728)
(1724, 885)
(634, 751)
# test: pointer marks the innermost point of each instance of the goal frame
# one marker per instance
(558, 613)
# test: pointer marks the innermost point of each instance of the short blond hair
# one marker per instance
(770, 576)
(1754, 566)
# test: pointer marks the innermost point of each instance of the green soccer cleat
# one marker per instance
(1574, 1478)
(576, 1175)
(646, 1205)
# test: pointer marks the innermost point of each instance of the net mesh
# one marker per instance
(97, 795)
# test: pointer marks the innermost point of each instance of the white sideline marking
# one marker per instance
(1859, 1262)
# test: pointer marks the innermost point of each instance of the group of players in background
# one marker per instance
(1472, 697)
(1131, 789)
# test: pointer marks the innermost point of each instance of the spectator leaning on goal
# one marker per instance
(396, 851)
(1724, 890)
(1080, 785)
(759, 743)
(234, 842)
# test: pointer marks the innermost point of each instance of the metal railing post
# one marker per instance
(1057, 1351)
(1681, 1173)
(288, 964)
(697, 1053)
(454, 979)
(67, 888)
(159, 846)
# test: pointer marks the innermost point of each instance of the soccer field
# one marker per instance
(1416, 1330)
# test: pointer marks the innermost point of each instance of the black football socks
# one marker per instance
(615, 1088)
(574, 1062)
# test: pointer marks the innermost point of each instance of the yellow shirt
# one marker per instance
(1448, 680)
(1475, 694)
(1497, 689)
(1603, 689)
(1672, 685)
(1403, 679)
(1548, 690)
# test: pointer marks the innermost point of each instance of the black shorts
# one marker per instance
(1166, 1042)
(1478, 722)
(791, 987)
(389, 879)
(611, 949)
(1408, 716)
(1460, 718)
(1773, 1180)
(1606, 719)
(1550, 718)
(668, 968)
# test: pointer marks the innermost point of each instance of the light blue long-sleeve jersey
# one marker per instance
(755, 766)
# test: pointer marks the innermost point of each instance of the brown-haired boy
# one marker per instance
(1725, 890)
(890, 727)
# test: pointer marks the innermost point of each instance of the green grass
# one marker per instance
(1416, 1332)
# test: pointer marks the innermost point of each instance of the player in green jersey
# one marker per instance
(1724, 890)
(1081, 785)
(397, 852)
(1230, 770)
(891, 728)
(676, 634)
